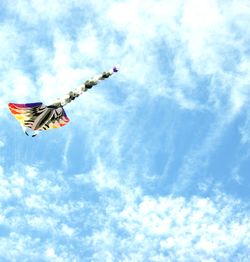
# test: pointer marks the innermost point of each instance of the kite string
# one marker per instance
(87, 85)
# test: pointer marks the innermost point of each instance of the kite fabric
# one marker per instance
(36, 117)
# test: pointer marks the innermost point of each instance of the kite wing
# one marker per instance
(24, 113)
(58, 119)
(37, 116)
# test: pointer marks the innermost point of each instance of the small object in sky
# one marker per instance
(35, 117)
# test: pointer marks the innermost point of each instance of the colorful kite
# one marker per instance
(36, 117)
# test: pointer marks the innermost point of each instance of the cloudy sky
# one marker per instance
(154, 163)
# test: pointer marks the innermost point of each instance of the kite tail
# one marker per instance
(87, 85)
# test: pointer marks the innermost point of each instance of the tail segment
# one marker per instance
(87, 85)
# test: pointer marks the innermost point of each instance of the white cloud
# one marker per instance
(69, 231)
(31, 172)
(2, 144)
(50, 252)
(186, 229)
(197, 34)
(124, 223)
(172, 228)
(36, 11)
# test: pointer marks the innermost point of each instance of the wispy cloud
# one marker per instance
(167, 228)
(117, 222)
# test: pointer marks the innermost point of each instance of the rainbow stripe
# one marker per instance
(27, 114)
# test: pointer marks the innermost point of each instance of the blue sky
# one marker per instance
(154, 164)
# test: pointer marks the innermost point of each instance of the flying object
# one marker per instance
(35, 117)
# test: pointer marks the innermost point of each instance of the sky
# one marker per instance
(154, 163)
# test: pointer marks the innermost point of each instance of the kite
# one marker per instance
(35, 117)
